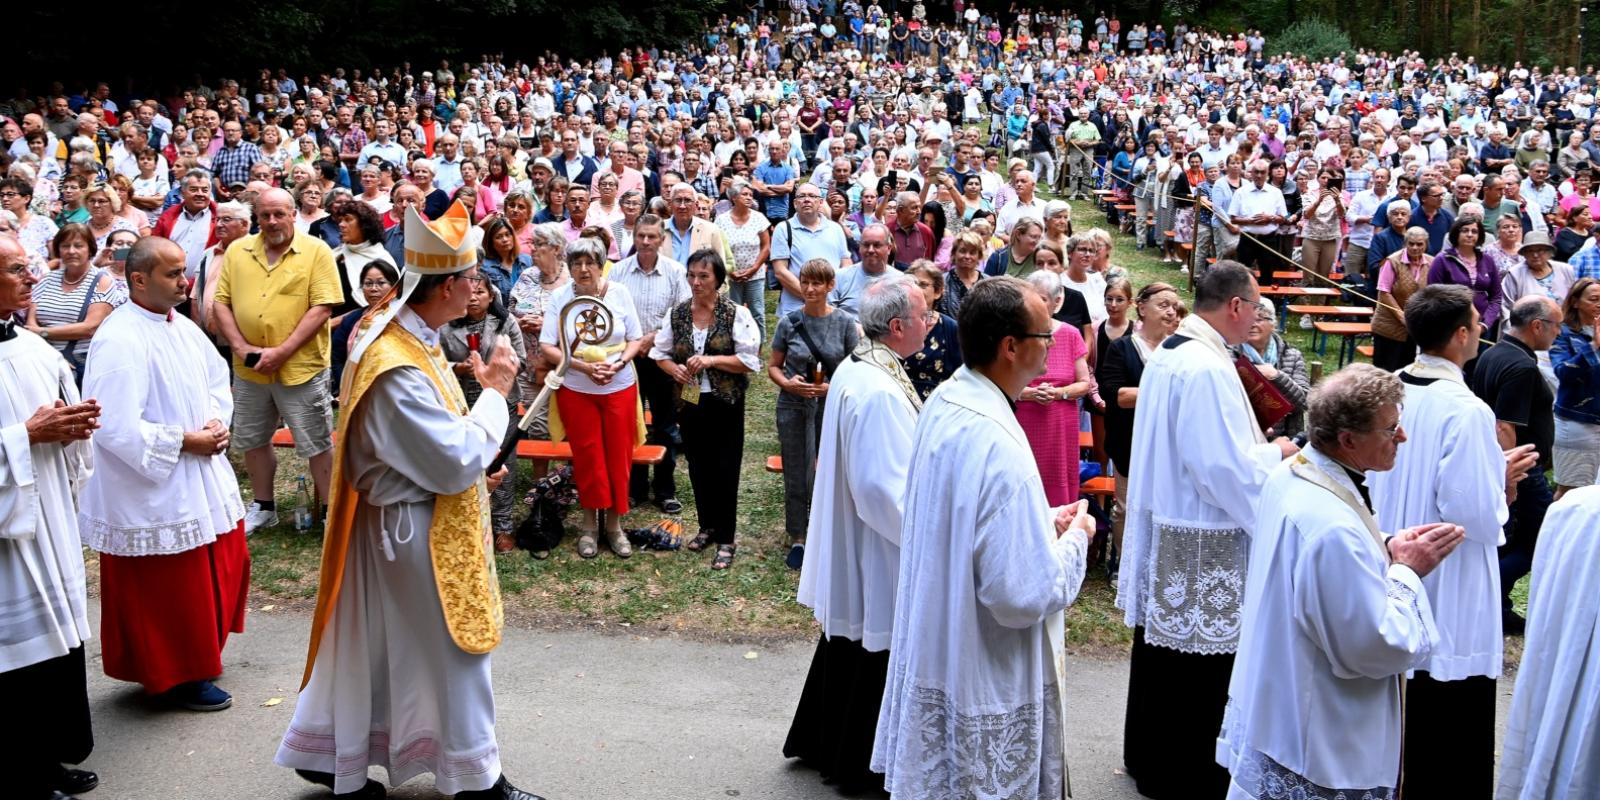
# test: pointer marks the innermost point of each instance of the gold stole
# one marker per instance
(458, 538)
(1304, 469)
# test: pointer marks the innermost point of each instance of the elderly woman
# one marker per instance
(33, 230)
(529, 297)
(598, 403)
(604, 209)
(749, 234)
(632, 205)
(809, 344)
(308, 205)
(503, 259)
(123, 186)
(70, 302)
(104, 213)
(1282, 364)
(710, 345)
(360, 244)
(941, 353)
(1535, 273)
(1400, 275)
(479, 331)
(373, 192)
(1463, 263)
(1157, 308)
(1047, 410)
(1577, 410)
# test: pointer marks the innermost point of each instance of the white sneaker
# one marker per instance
(257, 517)
(1305, 322)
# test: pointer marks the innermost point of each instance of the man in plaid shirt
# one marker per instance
(232, 162)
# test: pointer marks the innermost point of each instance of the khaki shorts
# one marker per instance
(258, 409)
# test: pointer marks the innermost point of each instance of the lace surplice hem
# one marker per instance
(942, 752)
(1197, 581)
(1264, 779)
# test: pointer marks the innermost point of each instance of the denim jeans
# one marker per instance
(752, 294)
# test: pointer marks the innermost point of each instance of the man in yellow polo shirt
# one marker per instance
(275, 294)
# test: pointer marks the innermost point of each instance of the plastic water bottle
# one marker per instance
(302, 505)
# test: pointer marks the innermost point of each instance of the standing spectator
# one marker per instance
(34, 231)
(70, 302)
(105, 216)
(1047, 409)
(1572, 237)
(44, 609)
(1577, 408)
(486, 326)
(774, 181)
(232, 161)
(808, 235)
(749, 235)
(1535, 274)
(1400, 275)
(191, 223)
(1507, 377)
(503, 260)
(598, 401)
(714, 344)
(376, 278)
(657, 285)
(940, 355)
(1464, 263)
(808, 346)
(275, 294)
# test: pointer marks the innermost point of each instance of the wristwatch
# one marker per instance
(44, 333)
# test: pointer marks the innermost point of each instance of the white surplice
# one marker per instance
(973, 705)
(1552, 741)
(390, 687)
(853, 554)
(1330, 625)
(1199, 461)
(44, 608)
(1451, 469)
(159, 377)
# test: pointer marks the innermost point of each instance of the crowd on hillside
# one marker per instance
(810, 150)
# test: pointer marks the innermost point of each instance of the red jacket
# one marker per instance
(169, 218)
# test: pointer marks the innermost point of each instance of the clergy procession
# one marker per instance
(842, 259)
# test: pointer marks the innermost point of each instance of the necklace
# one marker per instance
(543, 281)
(74, 282)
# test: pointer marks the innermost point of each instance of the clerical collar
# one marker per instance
(8, 330)
(1357, 478)
(151, 313)
(409, 320)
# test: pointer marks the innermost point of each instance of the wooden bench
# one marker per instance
(1347, 332)
(1298, 291)
(1365, 350)
(775, 464)
(1323, 312)
(531, 449)
(1298, 275)
(1085, 441)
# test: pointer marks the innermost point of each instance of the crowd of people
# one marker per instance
(214, 264)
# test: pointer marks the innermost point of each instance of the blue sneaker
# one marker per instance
(200, 696)
(797, 556)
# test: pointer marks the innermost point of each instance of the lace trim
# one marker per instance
(1197, 589)
(161, 456)
(944, 753)
(1265, 779)
(154, 540)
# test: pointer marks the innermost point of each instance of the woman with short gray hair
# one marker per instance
(1047, 410)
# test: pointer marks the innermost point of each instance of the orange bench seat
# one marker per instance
(532, 449)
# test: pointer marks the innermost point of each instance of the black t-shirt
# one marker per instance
(1074, 309)
(1507, 378)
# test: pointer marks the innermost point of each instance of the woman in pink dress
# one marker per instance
(1048, 407)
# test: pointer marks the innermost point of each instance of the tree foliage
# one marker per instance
(1312, 38)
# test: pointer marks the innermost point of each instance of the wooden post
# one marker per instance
(1194, 239)
(1316, 372)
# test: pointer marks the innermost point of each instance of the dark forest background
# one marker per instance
(168, 42)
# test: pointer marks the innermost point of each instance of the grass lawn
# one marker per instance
(677, 592)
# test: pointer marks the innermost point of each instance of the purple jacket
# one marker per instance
(1451, 267)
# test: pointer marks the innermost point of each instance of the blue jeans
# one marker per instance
(1522, 533)
(752, 294)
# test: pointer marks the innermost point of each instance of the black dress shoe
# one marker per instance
(501, 790)
(371, 791)
(76, 781)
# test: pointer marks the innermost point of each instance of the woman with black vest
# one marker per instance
(709, 346)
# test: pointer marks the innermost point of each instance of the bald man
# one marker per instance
(275, 294)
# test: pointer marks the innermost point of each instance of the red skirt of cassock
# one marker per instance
(164, 619)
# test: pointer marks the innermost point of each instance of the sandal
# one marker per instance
(700, 541)
(724, 557)
(618, 541)
(587, 546)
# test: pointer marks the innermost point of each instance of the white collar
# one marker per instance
(975, 391)
(409, 320)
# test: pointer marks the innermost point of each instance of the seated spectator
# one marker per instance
(1282, 364)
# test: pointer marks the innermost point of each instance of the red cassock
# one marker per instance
(164, 619)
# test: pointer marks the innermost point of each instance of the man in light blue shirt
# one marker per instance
(795, 241)
(774, 180)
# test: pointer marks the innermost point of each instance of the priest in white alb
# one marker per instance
(1199, 461)
(1335, 612)
(853, 558)
(1453, 470)
(163, 507)
(44, 607)
(973, 708)
(1551, 751)
(408, 606)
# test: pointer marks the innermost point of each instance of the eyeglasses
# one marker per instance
(1049, 338)
(17, 271)
(8, 195)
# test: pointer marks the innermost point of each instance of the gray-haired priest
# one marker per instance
(44, 610)
(1334, 613)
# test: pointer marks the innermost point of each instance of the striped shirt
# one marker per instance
(655, 292)
(56, 305)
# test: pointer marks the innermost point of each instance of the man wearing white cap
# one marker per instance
(409, 605)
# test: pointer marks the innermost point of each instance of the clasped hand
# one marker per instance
(208, 441)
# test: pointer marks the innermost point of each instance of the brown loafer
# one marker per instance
(504, 543)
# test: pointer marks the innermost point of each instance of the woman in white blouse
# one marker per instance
(710, 345)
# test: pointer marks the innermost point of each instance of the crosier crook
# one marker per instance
(593, 327)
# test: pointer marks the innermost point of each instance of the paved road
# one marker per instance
(582, 715)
